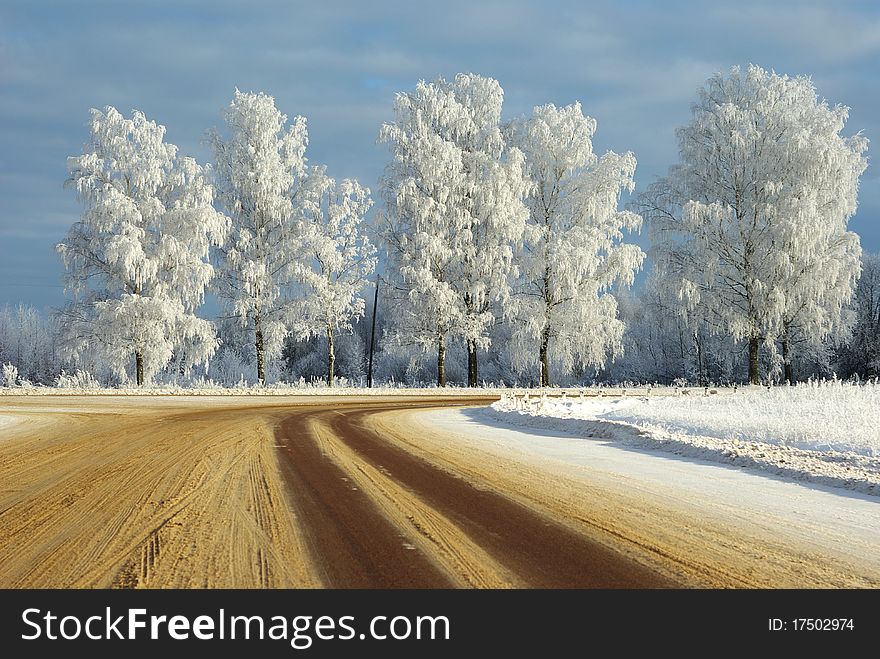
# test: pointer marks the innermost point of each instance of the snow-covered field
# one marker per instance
(827, 433)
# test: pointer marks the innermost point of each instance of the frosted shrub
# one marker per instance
(78, 380)
(10, 375)
(204, 383)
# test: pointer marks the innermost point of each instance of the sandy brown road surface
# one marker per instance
(143, 493)
(696, 542)
(337, 492)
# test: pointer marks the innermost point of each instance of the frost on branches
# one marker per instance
(453, 195)
(572, 250)
(861, 355)
(750, 228)
(338, 260)
(262, 185)
(137, 261)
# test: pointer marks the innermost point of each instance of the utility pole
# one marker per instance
(373, 336)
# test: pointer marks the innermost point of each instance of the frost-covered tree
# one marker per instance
(137, 261)
(339, 258)
(573, 250)
(860, 355)
(305, 360)
(453, 194)
(29, 341)
(819, 262)
(262, 185)
(751, 224)
(663, 346)
(816, 290)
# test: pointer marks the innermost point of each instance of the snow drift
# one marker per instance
(827, 432)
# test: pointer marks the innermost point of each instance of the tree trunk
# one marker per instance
(682, 354)
(702, 380)
(139, 367)
(441, 360)
(786, 356)
(472, 363)
(258, 344)
(754, 374)
(331, 356)
(544, 365)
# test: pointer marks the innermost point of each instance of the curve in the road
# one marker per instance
(357, 544)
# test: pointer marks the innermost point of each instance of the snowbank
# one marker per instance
(827, 433)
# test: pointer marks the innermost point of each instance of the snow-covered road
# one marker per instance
(816, 518)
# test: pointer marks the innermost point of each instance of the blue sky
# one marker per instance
(635, 66)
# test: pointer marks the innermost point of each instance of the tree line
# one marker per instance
(501, 242)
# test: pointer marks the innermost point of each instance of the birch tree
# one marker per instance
(454, 210)
(860, 355)
(29, 342)
(137, 261)
(751, 224)
(339, 259)
(573, 250)
(262, 185)
(819, 262)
